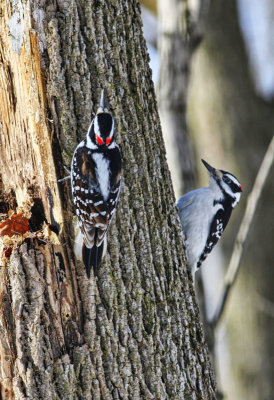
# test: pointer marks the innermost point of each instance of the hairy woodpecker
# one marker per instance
(95, 179)
(204, 214)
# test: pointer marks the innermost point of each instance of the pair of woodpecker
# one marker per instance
(96, 177)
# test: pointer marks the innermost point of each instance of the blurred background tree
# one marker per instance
(229, 105)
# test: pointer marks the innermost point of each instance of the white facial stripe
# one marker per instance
(233, 179)
(90, 144)
(237, 197)
(89, 129)
(228, 190)
(96, 127)
(112, 129)
(112, 146)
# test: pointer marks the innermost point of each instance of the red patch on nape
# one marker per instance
(240, 186)
(108, 141)
(99, 140)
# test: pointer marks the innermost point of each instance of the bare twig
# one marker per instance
(252, 202)
(64, 179)
(264, 305)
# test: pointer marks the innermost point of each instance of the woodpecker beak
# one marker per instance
(102, 108)
(102, 101)
(212, 171)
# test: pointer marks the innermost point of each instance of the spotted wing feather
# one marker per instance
(217, 227)
(93, 211)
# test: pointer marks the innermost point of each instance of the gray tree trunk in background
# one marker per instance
(175, 50)
(135, 332)
(238, 126)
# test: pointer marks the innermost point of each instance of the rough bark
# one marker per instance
(134, 333)
(238, 126)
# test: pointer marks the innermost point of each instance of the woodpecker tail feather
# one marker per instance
(92, 256)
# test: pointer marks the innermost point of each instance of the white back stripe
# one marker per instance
(102, 173)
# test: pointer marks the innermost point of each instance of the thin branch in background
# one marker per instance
(252, 202)
(264, 305)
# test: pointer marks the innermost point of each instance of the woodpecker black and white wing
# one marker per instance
(217, 227)
(87, 196)
(95, 188)
(95, 178)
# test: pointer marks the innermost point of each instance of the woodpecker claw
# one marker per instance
(66, 177)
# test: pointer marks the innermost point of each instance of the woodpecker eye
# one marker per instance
(226, 179)
(108, 140)
(98, 140)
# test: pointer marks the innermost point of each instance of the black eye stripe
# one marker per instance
(233, 186)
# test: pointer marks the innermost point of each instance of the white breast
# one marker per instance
(102, 173)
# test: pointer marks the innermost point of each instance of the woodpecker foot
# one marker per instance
(67, 177)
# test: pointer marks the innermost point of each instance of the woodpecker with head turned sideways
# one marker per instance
(205, 212)
(95, 179)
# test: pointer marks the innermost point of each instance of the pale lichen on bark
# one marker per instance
(134, 333)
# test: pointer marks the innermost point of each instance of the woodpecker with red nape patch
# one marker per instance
(205, 212)
(95, 179)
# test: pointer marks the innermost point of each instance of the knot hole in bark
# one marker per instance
(37, 215)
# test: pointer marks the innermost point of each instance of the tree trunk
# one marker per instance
(172, 90)
(134, 332)
(180, 29)
(238, 126)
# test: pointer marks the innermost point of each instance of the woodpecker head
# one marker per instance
(101, 131)
(228, 183)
